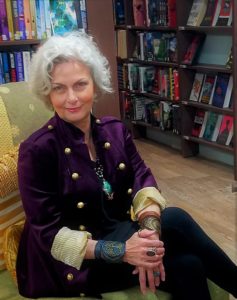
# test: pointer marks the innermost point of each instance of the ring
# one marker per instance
(151, 252)
(156, 273)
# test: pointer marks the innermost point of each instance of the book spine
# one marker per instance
(172, 18)
(26, 56)
(19, 66)
(1, 70)
(6, 67)
(228, 92)
(33, 18)
(4, 22)
(38, 20)
(47, 18)
(42, 20)
(10, 19)
(83, 14)
(77, 7)
(176, 85)
(12, 67)
(21, 19)
(27, 19)
(216, 12)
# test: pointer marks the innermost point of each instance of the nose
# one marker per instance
(72, 95)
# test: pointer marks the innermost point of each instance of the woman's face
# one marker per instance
(72, 92)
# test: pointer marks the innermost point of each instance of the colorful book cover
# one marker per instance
(77, 6)
(210, 125)
(197, 86)
(208, 89)
(220, 89)
(21, 19)
(4, 22)
(139, 13)
(197, 12)
(192, 51)
(38, 20)
(148, 46)
(10, 19)
(229, 93)
(225, 13)
(27, 17)
(197, 122)
(19, 66)
(176, 85)
(63, 16)
(153, 12)
(225, 129)
(208, 18)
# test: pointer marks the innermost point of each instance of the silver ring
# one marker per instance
(156, 273)
(151, 252)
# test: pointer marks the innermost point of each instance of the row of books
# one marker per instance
(211, 13)
(162, 114)
(214, 89)
(148, 12)
(163, 82)
(14, 66)
(213, 127)
(156, 46)
(39, 19)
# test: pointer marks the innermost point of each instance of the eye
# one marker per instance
(58, 88)
(80, 84)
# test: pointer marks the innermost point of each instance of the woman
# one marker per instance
(80, 177)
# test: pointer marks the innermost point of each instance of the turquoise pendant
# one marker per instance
(107, 189)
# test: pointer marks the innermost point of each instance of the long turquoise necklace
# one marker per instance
(106, 186)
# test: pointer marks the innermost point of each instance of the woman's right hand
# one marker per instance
(137, 247)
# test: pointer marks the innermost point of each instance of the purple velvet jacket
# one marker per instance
(51, 193)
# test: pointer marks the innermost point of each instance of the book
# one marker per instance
(176, 115)
(152, 12)
(63, 16)
(172, 15)
(12, 67)
(217, 128)
(33, 18)
(197, 12)
(122, 43)
(146, 78)
(220, 89)
(19, 66)
(21, 19)
(139, 13)
(47, 18)
(197, 122)
(3, 21)
(119, 12)
(26, 57)
(27, 19)
(197, 86)
(5, 67)
(208, 87)
(225, 13)
(225, 129)
(229, 93)
(216, 12)
(210, 125)
(42, 19)
(133, 76)
(83, 14)
(209, 15)
(38, 20)
(193, 49)
(10, 19)
(77, 5)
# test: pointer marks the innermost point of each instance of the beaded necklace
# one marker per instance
(106, 186)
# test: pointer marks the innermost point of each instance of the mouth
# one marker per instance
(72, 109)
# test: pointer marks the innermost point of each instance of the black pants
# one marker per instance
(190, 258)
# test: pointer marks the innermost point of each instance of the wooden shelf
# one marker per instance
(224, 111)
(19, 43)
(208, 143)
(206, 67)
(208, 29)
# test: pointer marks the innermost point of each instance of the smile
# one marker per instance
(73, 109)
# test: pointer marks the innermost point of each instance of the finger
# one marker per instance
(162, 272)
(135, 271)
(151, 280)
(157, 275)
(142, 280)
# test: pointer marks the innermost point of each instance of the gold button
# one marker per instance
(75, 176)
(50, 127)
(80, 205)
(82, 228)
(98, 121)
(129, 191)
(89, 236)
(82, 295)
(122, 166)
(107, 145)
(70, 276)
(67, 151)
(128, 212)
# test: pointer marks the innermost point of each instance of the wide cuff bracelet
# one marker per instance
(110, 251)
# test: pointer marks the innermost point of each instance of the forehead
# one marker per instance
(70, 69)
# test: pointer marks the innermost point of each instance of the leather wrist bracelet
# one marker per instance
(110, 251)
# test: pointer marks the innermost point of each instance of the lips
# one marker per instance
(73, 109)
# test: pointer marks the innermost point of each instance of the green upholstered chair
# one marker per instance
(20, 115)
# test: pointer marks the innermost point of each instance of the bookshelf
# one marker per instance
(222, 37)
